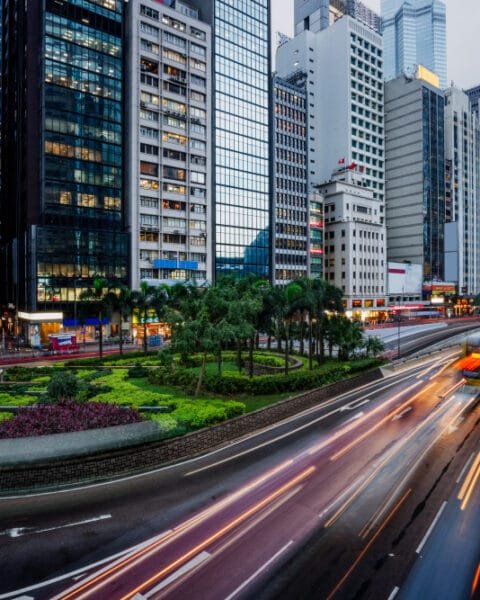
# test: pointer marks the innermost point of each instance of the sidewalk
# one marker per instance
(25, 356)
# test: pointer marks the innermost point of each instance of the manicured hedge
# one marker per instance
(234, 384)
(117, 359)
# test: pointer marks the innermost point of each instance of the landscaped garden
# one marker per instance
(213, 369)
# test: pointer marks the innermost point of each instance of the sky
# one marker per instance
(463, 29)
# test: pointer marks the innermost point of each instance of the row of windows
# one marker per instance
(82, 35)
(173, 222)
(175, 275)
(300, 116)
(361, 248)
(290, 142)
(172, 238)
(173, 23)
(294, 99)
(152, 255)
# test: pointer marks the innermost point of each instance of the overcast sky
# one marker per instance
(463, 31)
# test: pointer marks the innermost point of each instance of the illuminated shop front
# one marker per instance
(36, 327)
(155, 328)
(370, 310)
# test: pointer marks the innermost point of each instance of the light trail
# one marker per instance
(95, 583)
(180, 530)
(379, 424)
(220, 533)
(369, 545)
(469, 484)
(476, 581)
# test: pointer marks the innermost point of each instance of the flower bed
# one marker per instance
(66, 417)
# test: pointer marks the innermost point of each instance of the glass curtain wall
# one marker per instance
(242, 186)
(81, 230)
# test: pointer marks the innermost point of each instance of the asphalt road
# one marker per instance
(222, 524)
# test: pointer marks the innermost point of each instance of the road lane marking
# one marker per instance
(431, 528)
(384, 420)
(354, 405)
(73, 574)
(394, 593)
(191, 564)
(98, 580)
(260, 570)
(404, 412)
(368, 546)
(467, 464)
(16, 532)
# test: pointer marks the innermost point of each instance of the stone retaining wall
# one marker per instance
(117, 463)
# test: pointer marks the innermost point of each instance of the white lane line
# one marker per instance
(394, 593)
(403, 413)
(359, 415)
(241, 440)
(16, 532)
(83, 570)
(354, 405)
(465, 467)
(258, 571)
(432, 526)
(191, 564)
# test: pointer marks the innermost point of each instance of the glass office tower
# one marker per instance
(414, 32)
(63, 206)
(241, 98)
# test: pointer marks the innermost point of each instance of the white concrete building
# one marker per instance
(344, 66)
(355, 244)
(169, 143)
(462, 261)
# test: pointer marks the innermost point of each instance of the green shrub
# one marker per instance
(136, 372)
(63, 386)
(19, 374)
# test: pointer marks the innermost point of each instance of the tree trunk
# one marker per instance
(219, 361)
(269, 342)
(250, 357)
(279, 339)
(302, 335)
(287, 345)
(145, 341)
(100, 335)
(257, 340)
(310, 344)
(322, 343)
(201, 376)
(239, 355)
(121, 334)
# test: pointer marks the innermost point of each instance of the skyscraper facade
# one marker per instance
(474, 97)
(415, 163)
(414, 33)
(169, 147)
(344, 66)
(63, 213)
(241, 102)
(316, 15)
(290, 207)
(462, 236)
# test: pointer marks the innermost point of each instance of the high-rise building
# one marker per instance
(169, 143)
(344, 84)
(241, 104)
(474, 97)
(63, 218)
(415, 159)
(290, 207)
(414, 33)
(316, 15)
(462, 234)
(355, 249)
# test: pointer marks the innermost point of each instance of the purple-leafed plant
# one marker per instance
(66, 417)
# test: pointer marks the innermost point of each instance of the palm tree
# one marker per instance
(121, 302)
(98, 294)
(143, 300)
